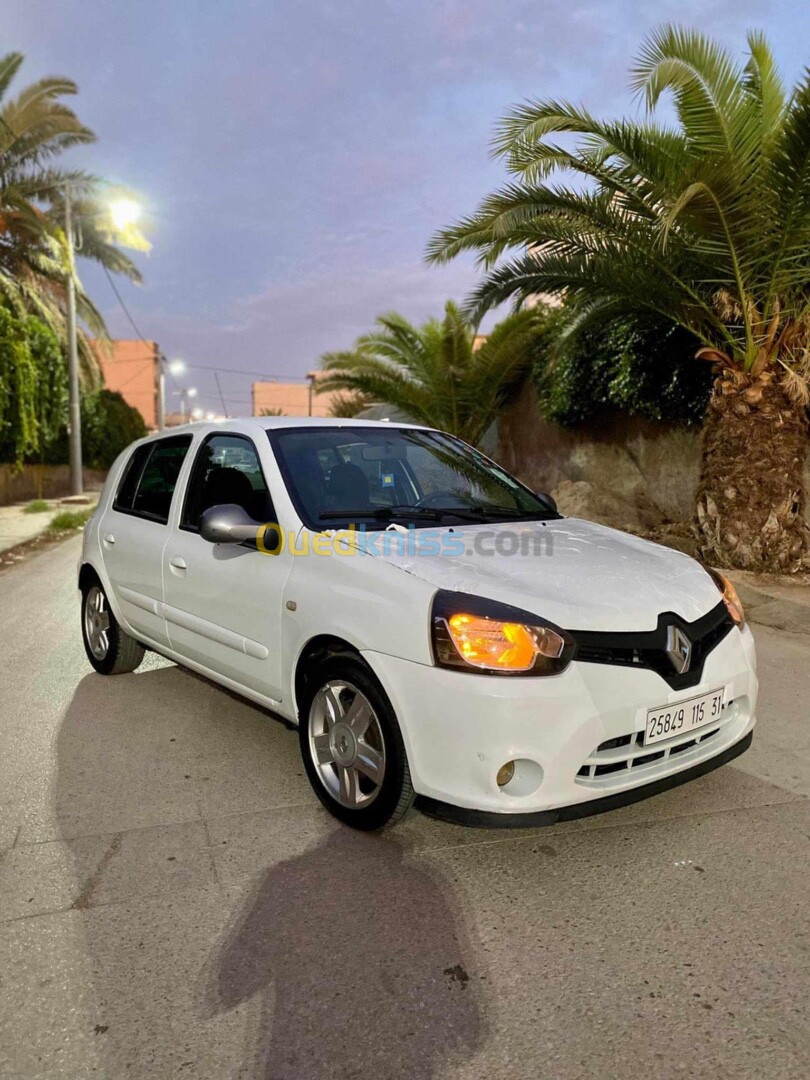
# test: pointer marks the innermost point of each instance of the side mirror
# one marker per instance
(227, 524)
(549, 500)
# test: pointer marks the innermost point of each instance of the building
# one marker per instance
(131, 368)
(291, 399)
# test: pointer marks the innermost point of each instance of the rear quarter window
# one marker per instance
(151, 477)
(132, 473)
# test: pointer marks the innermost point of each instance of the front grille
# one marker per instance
(647, 649)
(632, 753)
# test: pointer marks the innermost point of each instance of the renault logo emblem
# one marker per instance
(679, 649)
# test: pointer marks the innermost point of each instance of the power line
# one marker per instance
(264, 375)
(276, 377)
(124, 307)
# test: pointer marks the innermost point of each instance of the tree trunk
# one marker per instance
(750, 499)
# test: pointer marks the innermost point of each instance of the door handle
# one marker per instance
(178, 563)
(108, 538)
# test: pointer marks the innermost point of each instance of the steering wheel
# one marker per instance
(438, 498)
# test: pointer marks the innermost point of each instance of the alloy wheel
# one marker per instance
(97, 622)
(346, 744)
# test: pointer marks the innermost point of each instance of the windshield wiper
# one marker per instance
(383, 513)
(477, 513)
(517, 512)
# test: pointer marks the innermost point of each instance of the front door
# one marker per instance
(133, 534)
(223, 601)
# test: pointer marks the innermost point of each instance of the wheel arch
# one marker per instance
(88, 575)
(317, 648)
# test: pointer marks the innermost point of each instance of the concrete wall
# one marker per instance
(626, 471)
(293, 399)
(41, 482)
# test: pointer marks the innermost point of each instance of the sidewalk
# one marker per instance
(769, 600)
(17, 526)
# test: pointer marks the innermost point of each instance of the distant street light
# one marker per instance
(196, 414)
(186, 393)
(174, 367)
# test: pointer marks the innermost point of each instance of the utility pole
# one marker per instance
(74, 401)
(311, 375)
(161, 388)
(221, 398)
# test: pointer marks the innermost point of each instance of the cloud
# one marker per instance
(298, 156)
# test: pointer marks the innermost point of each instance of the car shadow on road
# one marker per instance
(352, 952)
(360, 965)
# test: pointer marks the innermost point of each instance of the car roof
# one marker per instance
(269, 423)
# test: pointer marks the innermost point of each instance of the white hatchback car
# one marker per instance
(434, 628)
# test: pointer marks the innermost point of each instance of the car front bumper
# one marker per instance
(460, 728)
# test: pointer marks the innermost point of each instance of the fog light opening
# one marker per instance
(519, 778)
(505, 773)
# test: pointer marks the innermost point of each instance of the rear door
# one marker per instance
(134, 530)
(223, 601)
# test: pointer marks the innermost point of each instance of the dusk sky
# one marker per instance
(296, 155)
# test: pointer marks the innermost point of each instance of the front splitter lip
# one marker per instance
(487, 819)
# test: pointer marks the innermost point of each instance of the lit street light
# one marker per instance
(174, 367)
(185, 395)
(123, 213)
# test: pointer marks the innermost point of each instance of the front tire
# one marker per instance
(352, 746)
(109, 649)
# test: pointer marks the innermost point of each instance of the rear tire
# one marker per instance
(109, 649)
(352, 746)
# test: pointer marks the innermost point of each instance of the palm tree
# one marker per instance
(35, 128)
(346, 406)
(440, 374)
(707, 224)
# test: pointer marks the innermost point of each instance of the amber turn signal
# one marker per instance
(730, 597)
(502, 646)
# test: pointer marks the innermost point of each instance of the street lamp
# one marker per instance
(74, 410)
(123, 213)
(185, 395)
(174, 367)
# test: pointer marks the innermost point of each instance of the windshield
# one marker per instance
(371, 476)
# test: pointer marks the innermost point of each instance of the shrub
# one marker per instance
(109, 425)
(38, 506)
(644, 367)
(70, 520)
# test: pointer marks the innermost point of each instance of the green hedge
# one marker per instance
(109, 425)
(644, 368)
(34, 402)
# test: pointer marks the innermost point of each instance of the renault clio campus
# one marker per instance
(436, 630)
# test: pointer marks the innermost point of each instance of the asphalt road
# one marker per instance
(174, 902)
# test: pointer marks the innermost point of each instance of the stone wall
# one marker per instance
(624, 471)
(41, 482)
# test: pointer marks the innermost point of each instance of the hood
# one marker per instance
(577, 574)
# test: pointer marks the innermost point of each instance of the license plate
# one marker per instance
(672, 720)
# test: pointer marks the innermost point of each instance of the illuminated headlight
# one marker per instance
(471, 633)
(730, 597)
